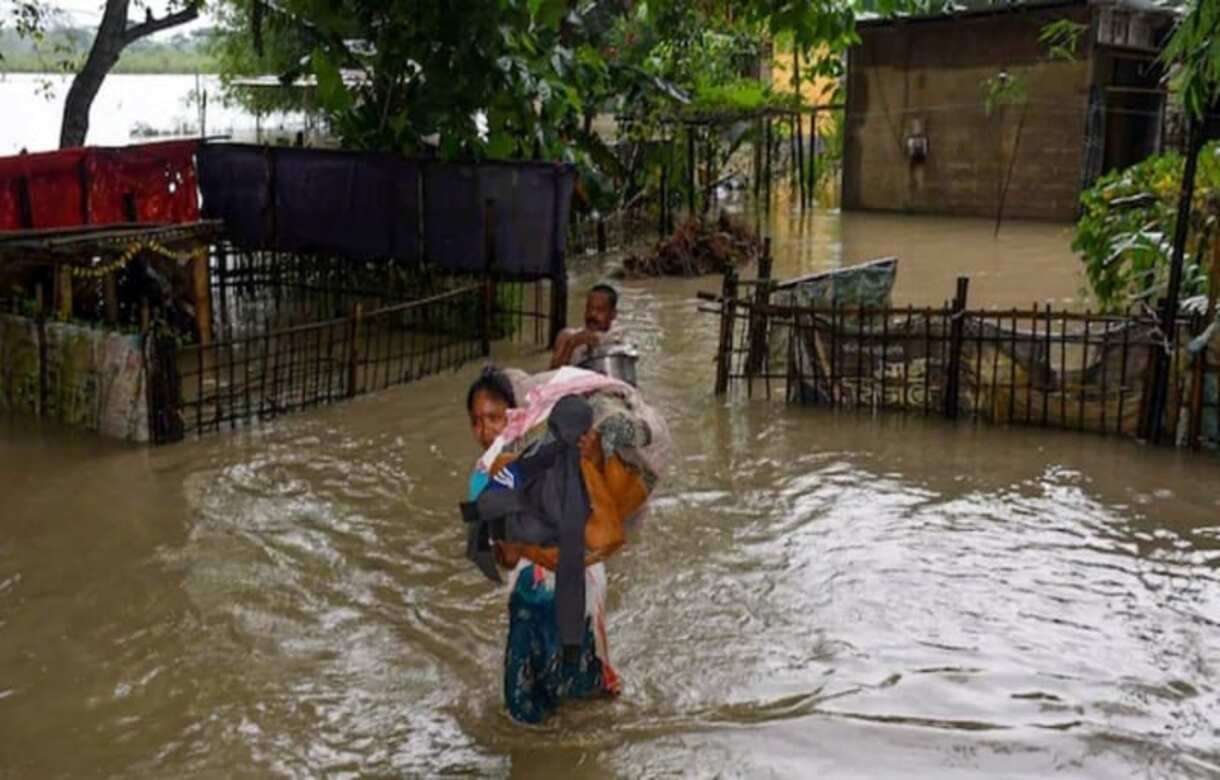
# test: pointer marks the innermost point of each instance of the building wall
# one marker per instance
(934, 71)
(813, 92)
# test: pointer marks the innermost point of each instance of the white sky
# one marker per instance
(87, 13)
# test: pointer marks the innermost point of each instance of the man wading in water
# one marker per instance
(573, 345)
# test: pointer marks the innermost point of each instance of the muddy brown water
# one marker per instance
(813, 593)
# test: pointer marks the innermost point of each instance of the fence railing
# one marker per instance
(202, 388)
(1040, 367)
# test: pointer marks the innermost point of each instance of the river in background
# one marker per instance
(813, 592)
(32, 109)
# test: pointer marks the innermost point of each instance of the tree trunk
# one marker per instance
(103, 55)
(113, 35)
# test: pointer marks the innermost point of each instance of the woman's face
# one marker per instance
(488, 417)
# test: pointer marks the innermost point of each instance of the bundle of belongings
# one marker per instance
(533, 492)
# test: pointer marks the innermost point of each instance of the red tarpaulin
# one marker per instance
(99, 186)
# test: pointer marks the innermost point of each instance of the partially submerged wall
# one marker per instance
(80, 376)
(933, 73)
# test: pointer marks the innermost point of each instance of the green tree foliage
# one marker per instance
(397, 74)
(1125, 233)
(1193, 52)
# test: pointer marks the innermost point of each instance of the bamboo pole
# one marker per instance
(1154, 421)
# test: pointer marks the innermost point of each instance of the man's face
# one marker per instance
(599, 313)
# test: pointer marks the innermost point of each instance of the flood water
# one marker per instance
(32, 106)
(814, 592)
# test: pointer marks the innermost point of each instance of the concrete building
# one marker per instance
(919, 136)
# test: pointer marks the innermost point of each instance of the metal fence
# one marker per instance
(295, 332)
(1040, 367)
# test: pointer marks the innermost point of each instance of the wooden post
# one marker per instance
(601, 235)
(63, 292)
(201, 291)
(163, 388)
(724, 353)
(353, 353)
(758, 321)
(956, 326)
(110, 297)
(489, 279)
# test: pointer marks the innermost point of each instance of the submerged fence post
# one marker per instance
(956, 326)
(489, 280)
(758, 319)
(353, 354)
(163, 387)
(724, 353)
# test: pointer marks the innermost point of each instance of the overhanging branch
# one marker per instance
(151, 25)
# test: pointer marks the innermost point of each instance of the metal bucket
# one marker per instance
(616, 361)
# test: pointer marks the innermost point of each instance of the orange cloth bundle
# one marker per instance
(616, 492)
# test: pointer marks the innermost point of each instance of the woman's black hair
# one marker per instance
(493, 382)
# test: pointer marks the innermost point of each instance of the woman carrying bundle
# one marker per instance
(519, 509)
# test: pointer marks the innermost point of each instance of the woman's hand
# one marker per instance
(591, 448)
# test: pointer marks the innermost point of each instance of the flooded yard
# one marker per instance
(813, 592)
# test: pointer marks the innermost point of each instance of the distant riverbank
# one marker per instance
(186, 66)
(181, 54)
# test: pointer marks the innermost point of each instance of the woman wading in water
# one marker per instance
(540, 671)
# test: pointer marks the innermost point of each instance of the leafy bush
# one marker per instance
(1125, 235)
